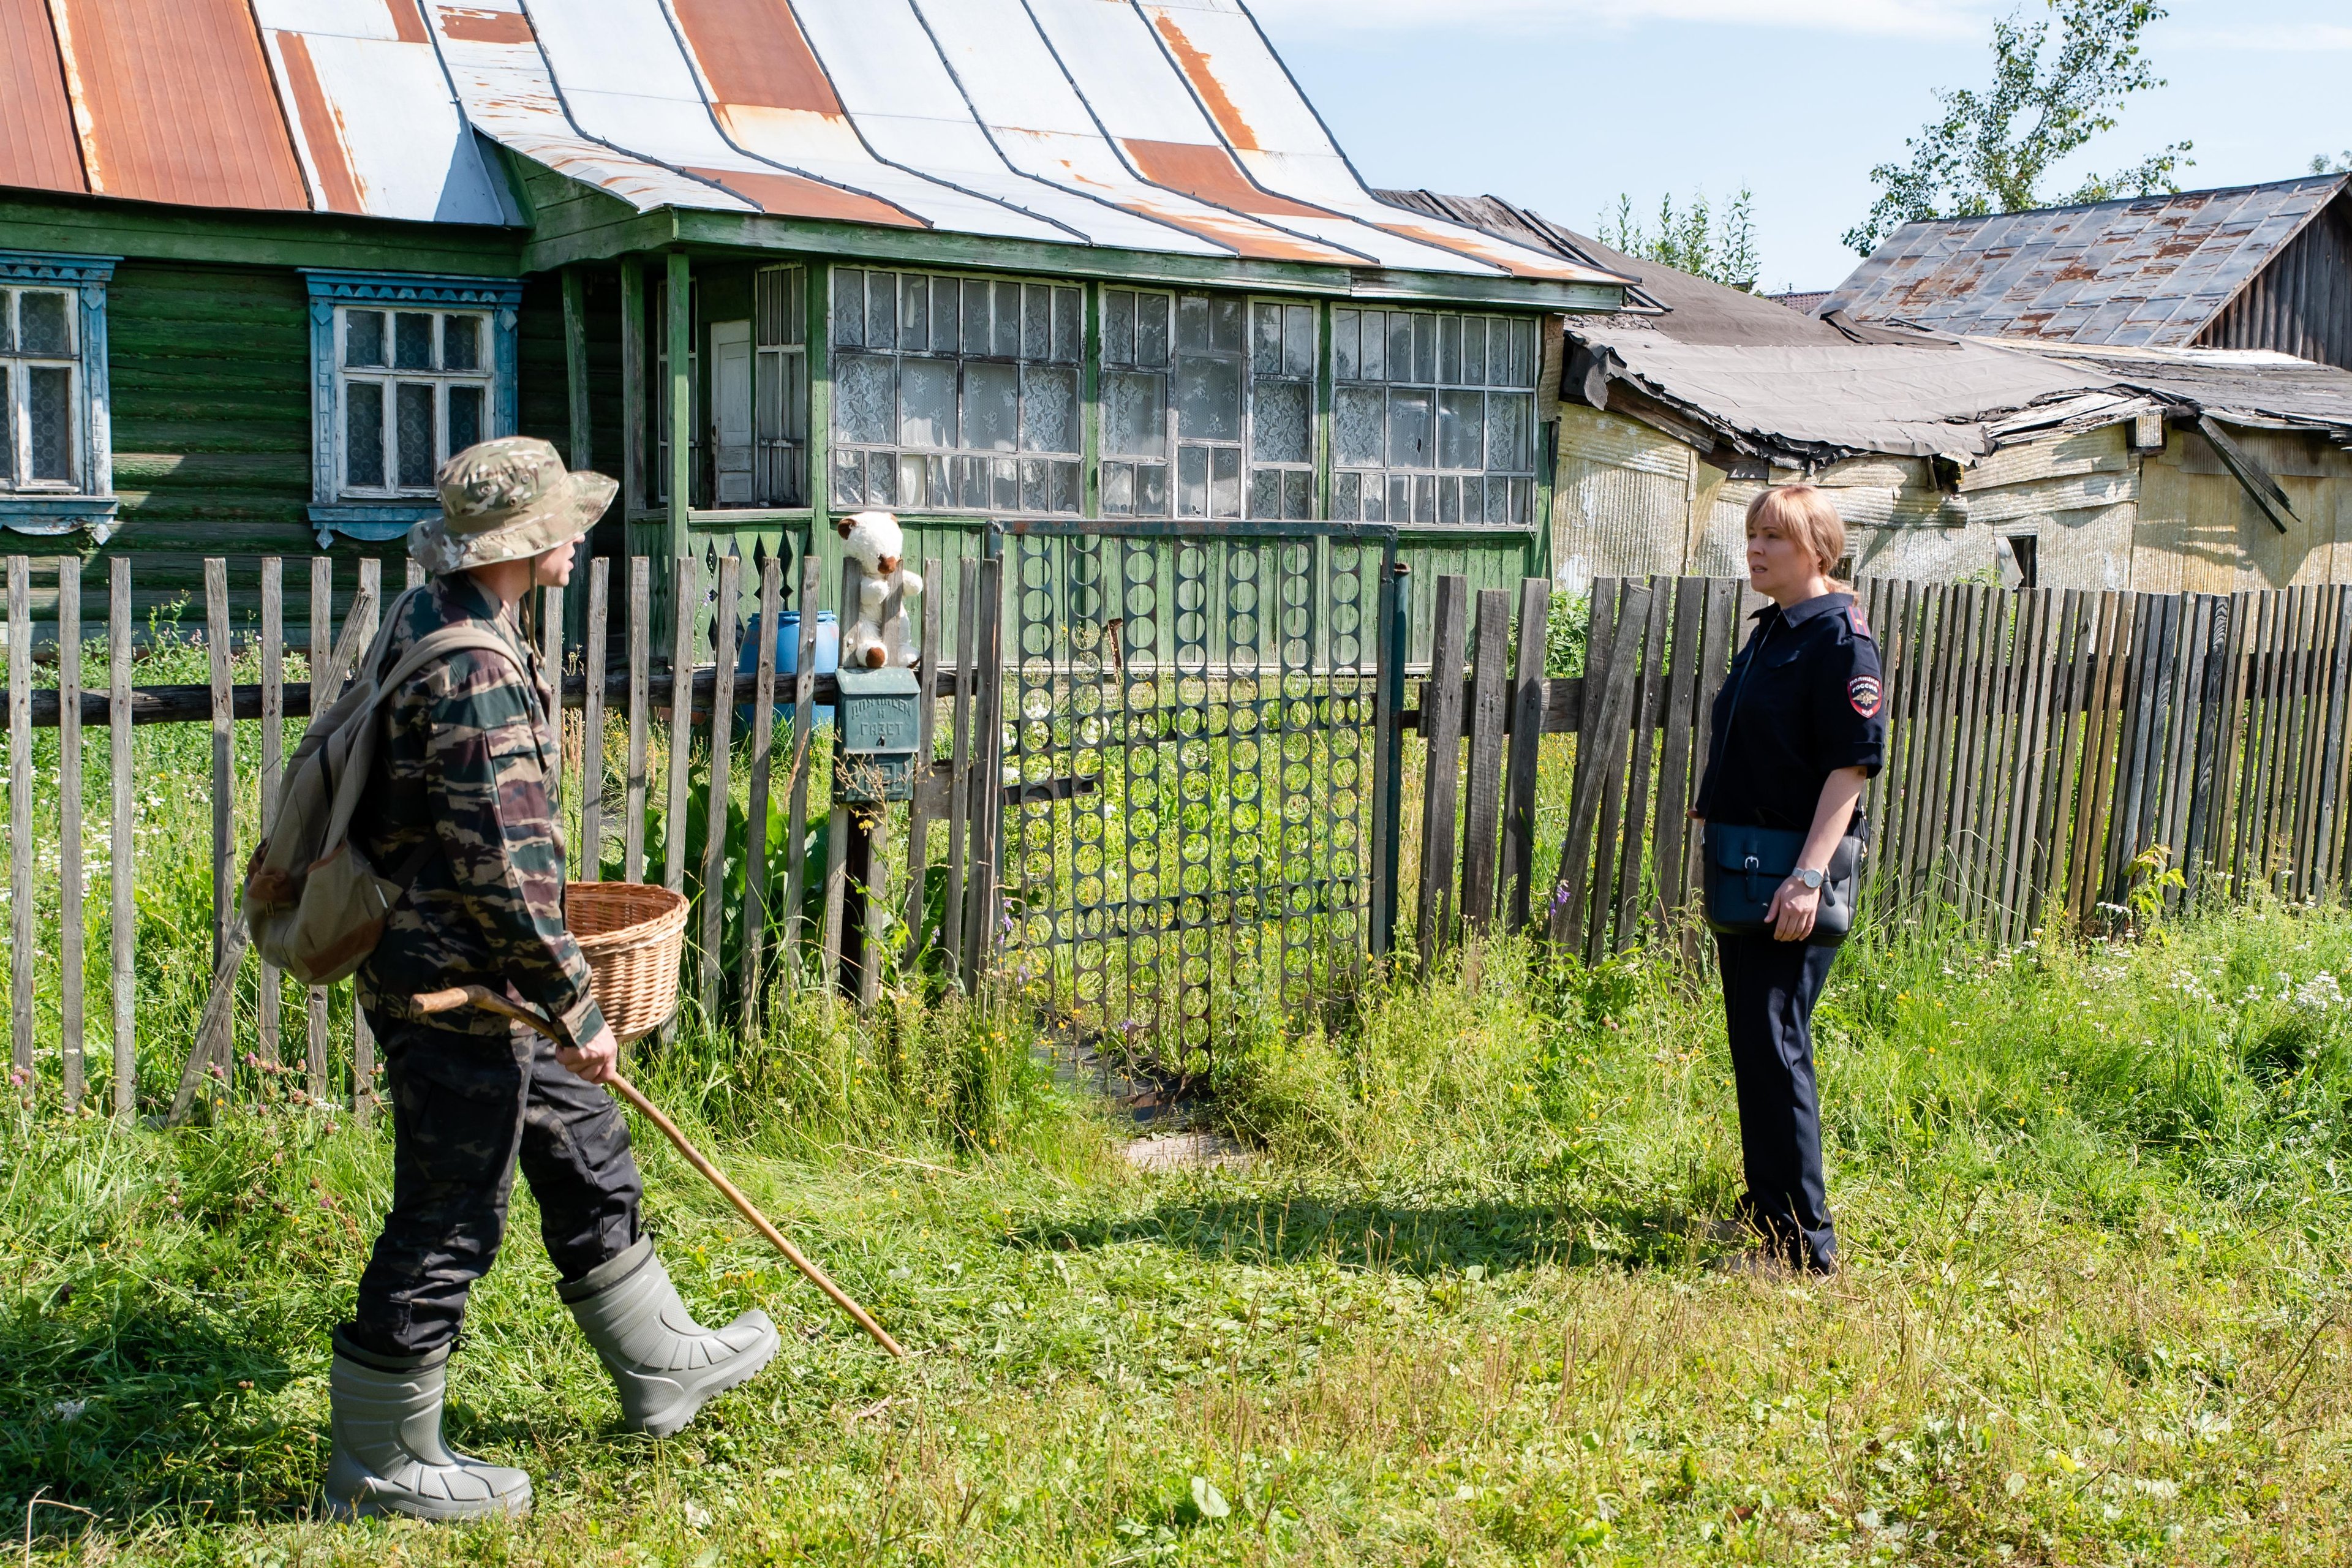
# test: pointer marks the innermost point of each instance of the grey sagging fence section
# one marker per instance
(2047, 750)
(686, 707)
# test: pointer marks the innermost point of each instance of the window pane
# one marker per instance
(1265, 493)
(927, 403)
(1298, 494)
(992, 407)
(1279, 420)
(1191, 323)
(882, 478)
(914, 311)
(1036, 322)
(1208, 399)
(1224, 481)
(1118, 326)
(1007, 309)
(7, 323)
(364, 434)
(1228, 324)
(1508, 448)
(770, 395)
(1151, 489)
(1358, 413)
(1004, 484)
(1474, 352)
(1069, 335)
(1135, 414)
(1034, 489)
(862, 399)
(364, 338)
(849, 309)
(975, 317)
(1065, 493)
(1191, 481)
(945, 317)
(1375, 346)
(465, 417)
(1408, 427)
(882, 311)
(848, 479)
(1400, 346)
(1049, 410)
(1461, 430)
(1118, 489)
(413, 416)
(44, 325)
(1299, 340)
(913, 479)
(972, 482)
(1449, 351)
(461, 342)
(1346, 496)
(49, 402)
(412, 340)
(1152, 329)
(1343, 345)
(1266, 340)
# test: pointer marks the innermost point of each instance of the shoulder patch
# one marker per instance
(1861, 626)
(1863, 692)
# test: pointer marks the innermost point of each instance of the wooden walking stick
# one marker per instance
(482, 996)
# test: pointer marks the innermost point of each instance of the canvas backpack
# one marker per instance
(315, 907)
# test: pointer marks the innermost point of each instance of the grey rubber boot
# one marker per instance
(665, 1364)
(388, 1454)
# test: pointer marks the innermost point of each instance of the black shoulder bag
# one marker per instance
(1746, 866)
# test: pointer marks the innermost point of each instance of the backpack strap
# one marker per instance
(469, 636)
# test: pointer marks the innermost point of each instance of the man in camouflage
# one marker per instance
(460, 804)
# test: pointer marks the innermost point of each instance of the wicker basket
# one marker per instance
(633, 937)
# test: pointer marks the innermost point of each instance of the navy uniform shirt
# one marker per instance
(1810, 700)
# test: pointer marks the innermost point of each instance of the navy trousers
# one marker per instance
(1769, 987)
(466, 1112)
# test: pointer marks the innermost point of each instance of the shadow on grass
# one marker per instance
(160, 1408)
(1420, 1239)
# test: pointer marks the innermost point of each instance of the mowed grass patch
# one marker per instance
(1458, 1311)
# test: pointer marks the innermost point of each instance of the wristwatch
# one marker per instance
(1811, 879)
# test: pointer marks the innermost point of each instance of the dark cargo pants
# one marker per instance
(465, 1110)
(1769, 987)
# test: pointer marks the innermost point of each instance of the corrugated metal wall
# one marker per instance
(2301, 303)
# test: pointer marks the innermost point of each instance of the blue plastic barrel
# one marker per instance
(788, 662)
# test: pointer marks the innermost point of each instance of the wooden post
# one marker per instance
(550, 664)
(1393, 634)
(722, 750)
(872, 955)
(755, 836)
(367, 606)
(1600, 759)
(838, 827)
(1482, 812)
(633, 392)
(20, 816)
(1643, 739)
(69, 866)
(1441, 731)
(988, 785)
(273, 765)
(324, 680)
(918, 822)
(121, 873)
(575, 367)
(216, 641)
(633, 808)
(686, 592)
(960, 787)
(1684, 712)
(591, 855)
(678, 333)
(804, 721)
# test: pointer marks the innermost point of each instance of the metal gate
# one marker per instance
(1194, 777)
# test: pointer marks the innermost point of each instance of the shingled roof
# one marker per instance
(2152, 271)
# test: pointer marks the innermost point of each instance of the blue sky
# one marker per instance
(1562, 104)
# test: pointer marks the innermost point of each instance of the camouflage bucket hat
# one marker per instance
(506, 499)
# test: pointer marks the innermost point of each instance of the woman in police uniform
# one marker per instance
(1797, 732)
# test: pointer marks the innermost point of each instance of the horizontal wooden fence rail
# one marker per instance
(2047, 753)
(608, 796)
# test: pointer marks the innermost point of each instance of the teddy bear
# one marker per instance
(873, 539)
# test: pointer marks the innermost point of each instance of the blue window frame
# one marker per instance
(406, 369)
(56, 460)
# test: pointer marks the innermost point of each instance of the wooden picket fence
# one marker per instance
(2047, 753)
(693, 696)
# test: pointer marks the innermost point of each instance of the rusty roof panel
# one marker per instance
(37, 145)
(2152, 271)
(177, 104)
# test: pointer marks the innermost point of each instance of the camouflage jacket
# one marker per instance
(464, 764)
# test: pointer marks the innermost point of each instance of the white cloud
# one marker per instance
(1909, 18)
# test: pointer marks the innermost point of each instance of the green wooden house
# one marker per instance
(265, 263)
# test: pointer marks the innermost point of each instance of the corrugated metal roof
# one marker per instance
(2150, 271)
(1165, 126)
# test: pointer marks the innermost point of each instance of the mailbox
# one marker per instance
(880, 725)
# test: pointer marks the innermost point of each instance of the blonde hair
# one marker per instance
(1805, 515)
